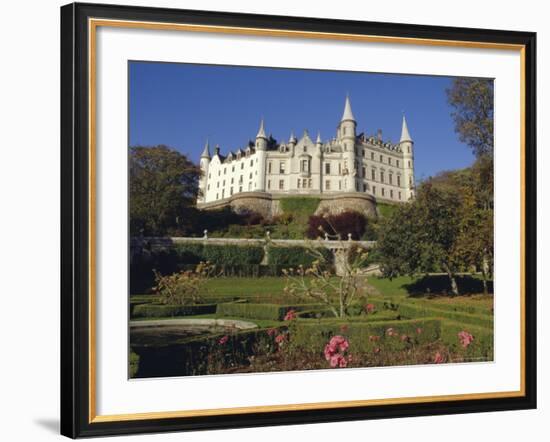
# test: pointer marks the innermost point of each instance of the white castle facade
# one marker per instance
(348, 164)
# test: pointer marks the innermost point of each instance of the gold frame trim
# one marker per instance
(93, 24)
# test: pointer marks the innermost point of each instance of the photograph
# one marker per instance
(302, 219)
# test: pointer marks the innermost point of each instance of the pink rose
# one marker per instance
(418, 331)
(465, 338)
(271, 332)
(338, 361)
(438, 358)
(370, 308)
(290, 315)
(223, 340)
(279, 339)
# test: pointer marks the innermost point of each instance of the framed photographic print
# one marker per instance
(274, 220)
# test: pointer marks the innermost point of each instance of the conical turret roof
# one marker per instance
(206, 151)
(261, 131)
(405, 136)
(348, 114)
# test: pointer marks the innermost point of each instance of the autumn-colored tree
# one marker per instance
(163, 189)
(473, 100)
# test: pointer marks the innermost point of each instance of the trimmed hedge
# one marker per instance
(408, 310)
(167, 311)
(457, 307)
(316, 334)
(223, 256)
(274, 312)
(321, 316)
(284, 257)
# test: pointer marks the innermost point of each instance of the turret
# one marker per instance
(292, 143)
(406, 144)
(347, 135)
(261, 148)
(204, 165)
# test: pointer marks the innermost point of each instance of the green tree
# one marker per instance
(420, 237)
(163, 190)
(472, 100)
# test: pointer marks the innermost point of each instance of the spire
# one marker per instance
(318, 138)
(348, 114)
(405, 136)
(261, 132)
(206, 151)
(292, 138)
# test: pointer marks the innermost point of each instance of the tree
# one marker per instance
(163, 190)
(472, 99)
(341, 224)
(421, 236)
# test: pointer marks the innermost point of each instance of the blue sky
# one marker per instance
(181, 105)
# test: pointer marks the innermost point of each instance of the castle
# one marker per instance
(349, 171)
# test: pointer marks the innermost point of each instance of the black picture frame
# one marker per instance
(75, 221)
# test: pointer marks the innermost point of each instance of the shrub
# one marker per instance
(168, 311)
(481, 349)
(274, 312)
(183, 287)
(365, 336)
(295, 256)
(409, 310)
(337, 224)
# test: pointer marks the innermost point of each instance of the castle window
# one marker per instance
(208, 188)
(399, 194)
(409, 164)
(250, 176)
(381, 159)
(269, 167)
(209, 175)
(391, 193)
(218, 184)
(241, 179)
(281, 184)
(389, 160)
(339, 168)
(397, 163)
(363, 172)
(327, 184)
(269, 184)
(298, 182)
(304, 183)
(223, 193)
(305, 148)
(233, 169)
(408, 149)
(251, 163)
(240, 188)
(391, 178)
(250, 186)
(364, 153)
(374, 190)
(309, 183)
(305, 165)
(223, 184)
(217, 196)
(383, 191)
(381, 176)
(231, 191)
(242, 166)
(219, 172)
(398, 181)
(373, 174)
(365, 187)
(345, 130)
(327, 168)
(340, 184)
(372, 155)
(232, 180)
(282, 167)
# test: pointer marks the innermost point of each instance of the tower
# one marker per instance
(292, 143)
(204, 166)
(347, 136)
(261, 152)
(406, 144)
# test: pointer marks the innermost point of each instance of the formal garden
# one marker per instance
(217, 312)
